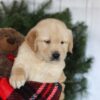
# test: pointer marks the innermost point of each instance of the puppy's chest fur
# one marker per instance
(45, 72)
(39, 71)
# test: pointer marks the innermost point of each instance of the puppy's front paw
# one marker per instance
(17, 78)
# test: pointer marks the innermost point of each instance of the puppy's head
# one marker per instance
(10, 39)
(50, 39)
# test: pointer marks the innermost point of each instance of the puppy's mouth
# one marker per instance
(52, 59)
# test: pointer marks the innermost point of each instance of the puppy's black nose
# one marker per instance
(11, 40)
(55, 55)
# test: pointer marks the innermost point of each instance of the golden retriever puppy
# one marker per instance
(41, 56)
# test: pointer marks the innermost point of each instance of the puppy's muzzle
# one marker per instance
(55, 56)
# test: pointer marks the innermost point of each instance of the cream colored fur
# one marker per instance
(33, 61)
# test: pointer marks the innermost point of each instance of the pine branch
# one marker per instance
(13, 7)
(5, 8)
(23, 6)
(44, 6)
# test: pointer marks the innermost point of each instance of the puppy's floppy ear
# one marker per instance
(31, 39)
(70, 41)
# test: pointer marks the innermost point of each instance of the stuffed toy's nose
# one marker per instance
(11, 40)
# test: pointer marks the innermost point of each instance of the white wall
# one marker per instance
(88, 11)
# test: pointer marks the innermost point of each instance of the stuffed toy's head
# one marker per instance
(10, 39)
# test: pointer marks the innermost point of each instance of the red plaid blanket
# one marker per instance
(34, 91)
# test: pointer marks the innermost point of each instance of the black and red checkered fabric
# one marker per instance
(37, 91)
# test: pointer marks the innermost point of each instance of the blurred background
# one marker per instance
(83, 17)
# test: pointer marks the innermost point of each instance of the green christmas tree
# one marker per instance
(17, 16)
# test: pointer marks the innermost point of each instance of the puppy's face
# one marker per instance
(50, 40)
(10, 39)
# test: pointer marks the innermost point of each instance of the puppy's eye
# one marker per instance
(47, 41)
(62, 42)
